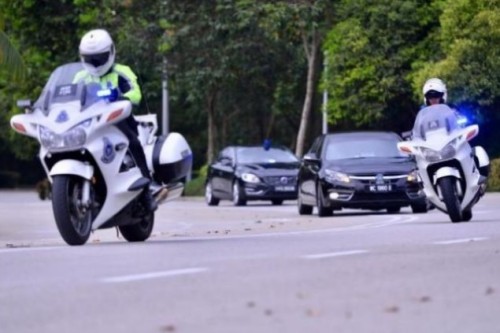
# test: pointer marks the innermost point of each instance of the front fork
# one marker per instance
(85, 199)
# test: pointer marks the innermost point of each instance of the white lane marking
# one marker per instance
(333, 254)
(27, 249)
(462, 240)
(153, 275)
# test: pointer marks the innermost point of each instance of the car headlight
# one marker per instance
(413, 177)
(73, 138)
(331, 176)
(250, 178)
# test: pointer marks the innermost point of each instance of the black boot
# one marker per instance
(149, 200)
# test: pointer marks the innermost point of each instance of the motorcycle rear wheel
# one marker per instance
(448, 187)
(73, 220)
(139, 232)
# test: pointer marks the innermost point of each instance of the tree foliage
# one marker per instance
(372, 51)
(241, 71)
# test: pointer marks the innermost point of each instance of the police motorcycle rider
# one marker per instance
(97, 54)
(435, 93)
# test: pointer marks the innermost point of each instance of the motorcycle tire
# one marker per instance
(448, 187)
(139, 232)
(73, 221)
(467, 215)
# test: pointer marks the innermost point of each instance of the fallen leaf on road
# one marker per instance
(168, 328)
(392, 309)
(424, 299)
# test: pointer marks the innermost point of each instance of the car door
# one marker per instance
(218, 171)
(222, 173)
(311, 164)
(227, 172)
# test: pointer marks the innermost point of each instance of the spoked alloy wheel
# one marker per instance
(449, 192)
(209, 195)
(73, 217)
(139, 232)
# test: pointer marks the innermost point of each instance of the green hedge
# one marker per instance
(494, 177)
(196, 186)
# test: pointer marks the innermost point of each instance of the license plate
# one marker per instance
(284, 188)
(380, 188)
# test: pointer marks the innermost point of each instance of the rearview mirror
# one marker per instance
(406, 135)
(24, 104)
(311, 158)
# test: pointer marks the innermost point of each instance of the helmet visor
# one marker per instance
(433, 94)
(96, 60)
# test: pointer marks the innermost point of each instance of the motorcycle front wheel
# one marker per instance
(448, 186)
(73, 218)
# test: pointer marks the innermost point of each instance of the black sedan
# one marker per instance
(243, 173)
(361, 170)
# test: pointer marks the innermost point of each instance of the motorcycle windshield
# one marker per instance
(435, 118)
(69, 83)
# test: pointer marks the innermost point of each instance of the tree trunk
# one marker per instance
(312, 55)
(212, 130)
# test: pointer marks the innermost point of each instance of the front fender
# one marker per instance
(446, 172)
(482, 156)
(72, 167)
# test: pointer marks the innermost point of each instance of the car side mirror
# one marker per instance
(226, 161)
(311, 158)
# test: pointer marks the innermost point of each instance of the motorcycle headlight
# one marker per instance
(331, 176)
(250, 178)
(446, 153)
(73, 138)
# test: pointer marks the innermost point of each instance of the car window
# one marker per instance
(247, 155)
(362, 148)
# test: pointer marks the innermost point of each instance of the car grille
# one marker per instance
(372, 179)
(281, 180)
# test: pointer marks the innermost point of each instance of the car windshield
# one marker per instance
(362, 148)
(63, 88)
(247, 155)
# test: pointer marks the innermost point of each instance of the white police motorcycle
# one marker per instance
(453, 174)
(96, 183)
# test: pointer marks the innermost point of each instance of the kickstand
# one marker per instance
(117, 232)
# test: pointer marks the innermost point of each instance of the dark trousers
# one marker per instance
(129, 128)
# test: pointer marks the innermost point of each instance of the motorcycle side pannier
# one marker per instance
(172, 159)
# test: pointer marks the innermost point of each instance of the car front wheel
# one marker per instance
(303, 209)
(209, 195)
(238, 194)
(323, 210)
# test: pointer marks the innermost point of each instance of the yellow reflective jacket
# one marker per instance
(121, 77)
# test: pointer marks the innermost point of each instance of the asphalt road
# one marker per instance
(258, 268)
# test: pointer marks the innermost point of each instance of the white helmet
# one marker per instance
(97, 52)
(434, 88)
